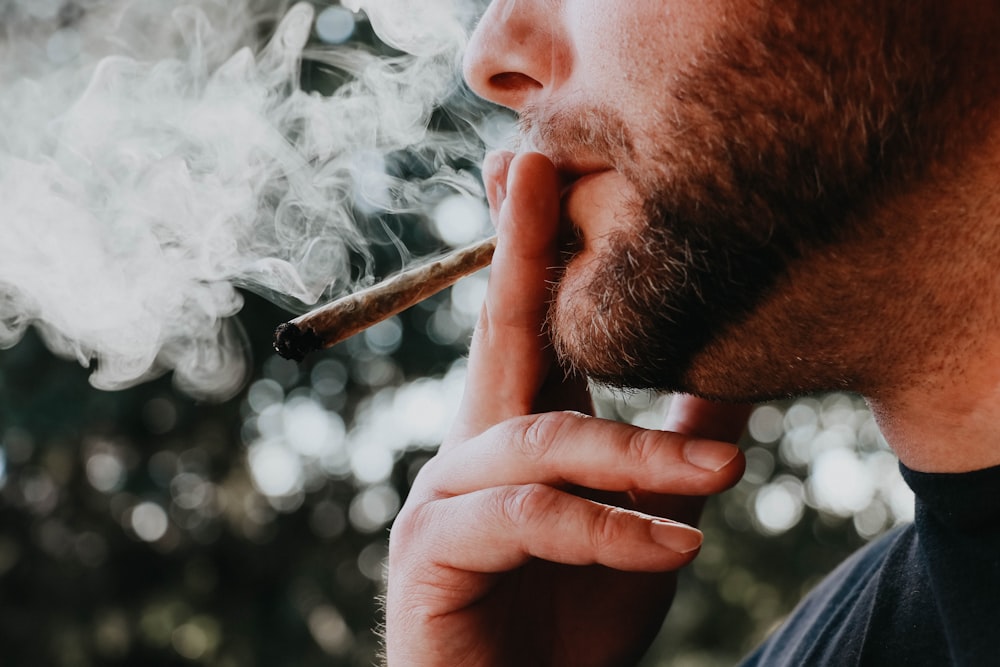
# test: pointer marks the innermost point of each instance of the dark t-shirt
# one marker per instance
(924, 594)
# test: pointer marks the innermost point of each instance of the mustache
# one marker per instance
(576, 135)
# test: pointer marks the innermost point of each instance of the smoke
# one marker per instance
(155, 157)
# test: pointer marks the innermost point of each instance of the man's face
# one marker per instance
(708, 148)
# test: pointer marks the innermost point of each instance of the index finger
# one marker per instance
(707, 419)
(510, 355)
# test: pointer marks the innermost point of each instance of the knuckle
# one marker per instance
(425, 474)
(606, 528)
(407, 528)
(527, 504)
(643, 447)
(427, 481)
(540, 432)
(416, 523)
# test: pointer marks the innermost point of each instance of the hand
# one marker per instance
(537, 538)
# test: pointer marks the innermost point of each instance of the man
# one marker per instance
(737, 200)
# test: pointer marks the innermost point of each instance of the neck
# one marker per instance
(950, 422)
(941, 412)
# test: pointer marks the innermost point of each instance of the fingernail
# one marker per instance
(676, 536)
(709, 454)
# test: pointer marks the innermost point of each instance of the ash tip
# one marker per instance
(293, 343)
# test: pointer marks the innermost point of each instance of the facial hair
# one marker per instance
(770, 151)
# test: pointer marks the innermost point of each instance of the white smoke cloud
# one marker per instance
(153, 158)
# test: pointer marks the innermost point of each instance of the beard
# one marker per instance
(768, 153)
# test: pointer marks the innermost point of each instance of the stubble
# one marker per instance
(770, 152)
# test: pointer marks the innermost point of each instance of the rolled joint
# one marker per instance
(340, 319)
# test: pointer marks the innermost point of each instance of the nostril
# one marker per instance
(513, 81)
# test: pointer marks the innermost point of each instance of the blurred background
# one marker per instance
(145, 527)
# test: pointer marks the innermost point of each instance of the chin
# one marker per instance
(629, 319)
(592, 338)
(634, 328)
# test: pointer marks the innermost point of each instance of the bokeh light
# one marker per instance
(460, 219)
(276, 470)
(329, 630)
(779, 505)
(335, 24)
(149, 521)
(766, 424)
(105, 472)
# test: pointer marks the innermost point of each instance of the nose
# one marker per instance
(513, 56)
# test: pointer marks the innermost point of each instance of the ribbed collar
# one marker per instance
(968, 501)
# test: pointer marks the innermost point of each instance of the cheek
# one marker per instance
(613, 42)
(645, 44)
